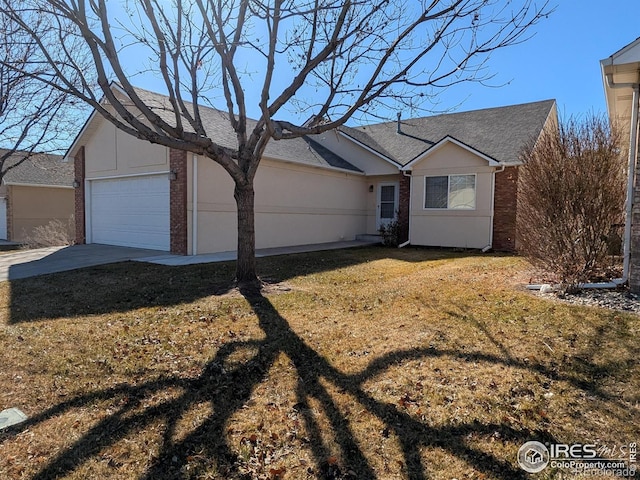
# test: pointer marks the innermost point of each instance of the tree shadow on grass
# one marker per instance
(126, 286)
(227, 390)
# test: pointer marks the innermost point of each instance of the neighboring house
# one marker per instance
(34, 193)
(451, 181)
(621, 78)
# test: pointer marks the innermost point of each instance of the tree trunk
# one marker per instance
(246, 265)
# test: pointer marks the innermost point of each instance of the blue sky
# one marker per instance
(562, 60)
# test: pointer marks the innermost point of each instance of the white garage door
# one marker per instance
(131, 212)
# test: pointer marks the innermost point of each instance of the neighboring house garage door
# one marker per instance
(131, 212)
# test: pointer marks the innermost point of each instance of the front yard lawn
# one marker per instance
(364, 363)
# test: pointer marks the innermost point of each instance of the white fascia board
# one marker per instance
(20, 184)
(628, 54)
(76, 141)
(446, 140)
(369, 149)
(85, 127)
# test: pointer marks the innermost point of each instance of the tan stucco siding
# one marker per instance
(367, 161)
(216, 211)
(37, 206)
(295, 205)
(449, 227)
(111, 152)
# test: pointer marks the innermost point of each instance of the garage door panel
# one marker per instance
(131, 212)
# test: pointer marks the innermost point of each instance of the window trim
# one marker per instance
(436, 209)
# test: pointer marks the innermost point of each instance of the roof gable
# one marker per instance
(496, 134)
(499, 133)
(446, 141)
(302, 151)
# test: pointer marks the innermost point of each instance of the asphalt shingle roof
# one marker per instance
(298, 150)
(40, 169)
(499, 133)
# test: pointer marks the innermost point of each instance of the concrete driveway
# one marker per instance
(30, 263)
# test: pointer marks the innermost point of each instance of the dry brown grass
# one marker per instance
(376, 364)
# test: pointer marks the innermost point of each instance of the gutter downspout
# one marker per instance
(194, 209)
(633, 144)
(404, 172)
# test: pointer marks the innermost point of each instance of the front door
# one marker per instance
(387, 203)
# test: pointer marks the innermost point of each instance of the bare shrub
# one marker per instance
(53, 234)
(390, 233)
(570, 197)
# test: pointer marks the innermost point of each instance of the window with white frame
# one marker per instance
(454, 192)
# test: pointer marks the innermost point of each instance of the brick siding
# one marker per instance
(403, 208)
(634, 258)
(9, 206)
(505, 210)
(178, 202)
(79, 212)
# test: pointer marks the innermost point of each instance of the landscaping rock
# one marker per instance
(11, 416)
(622, 299)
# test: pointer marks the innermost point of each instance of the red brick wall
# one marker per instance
(634, 257)
(403, 208)
(178, 202)
(505, 210)
(79, 213)
(9, 204)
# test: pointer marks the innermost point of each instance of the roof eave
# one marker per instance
(45, 185)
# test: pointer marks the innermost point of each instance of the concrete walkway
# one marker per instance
(176, 260)
(30, 263)
(40, 261)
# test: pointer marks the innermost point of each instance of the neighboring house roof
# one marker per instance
(299, 150)
(39, 169)
(499, 133)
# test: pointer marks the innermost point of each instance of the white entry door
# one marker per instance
(388, 194)
(130, 212)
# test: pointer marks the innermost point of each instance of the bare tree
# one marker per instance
(571, 194)
(328, 59)
(34, 117)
